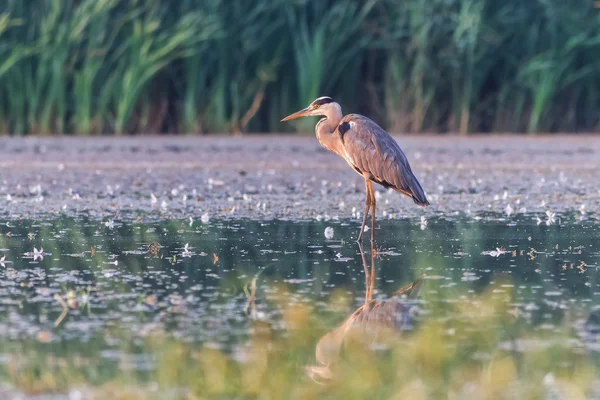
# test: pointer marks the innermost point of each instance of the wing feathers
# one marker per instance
(374, 152)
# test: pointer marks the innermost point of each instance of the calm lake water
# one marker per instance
(86, 302)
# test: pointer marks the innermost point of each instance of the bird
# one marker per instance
(373, 324)
(368, 149)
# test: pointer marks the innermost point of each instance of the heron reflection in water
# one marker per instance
(370, 325)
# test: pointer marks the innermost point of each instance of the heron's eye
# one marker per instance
(316, 106)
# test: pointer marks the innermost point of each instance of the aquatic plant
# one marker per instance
(128, 66)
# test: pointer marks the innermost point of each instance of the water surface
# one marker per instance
(86, 302)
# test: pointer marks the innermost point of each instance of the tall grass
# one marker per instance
(128, 66)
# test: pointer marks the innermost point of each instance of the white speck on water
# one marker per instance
(509, 210)
(494, 253)
(205, 218)
(423, 222)
(184, 198)
(153, 199)
(2, 260)
(329, 232)
(174, 192)
(550, 217)
(38, 254)
(366, 228)
(269, 187)
(543, 203)
(163, 205)
(582, 209)
(319, 217)
(109, 224)
(61, 167)
(191, 221)
(342, 205)
(505, 195)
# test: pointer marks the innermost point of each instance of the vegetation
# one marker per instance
(126, 66)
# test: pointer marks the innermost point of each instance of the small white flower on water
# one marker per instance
(338, 255)
(505, 195)
(2, 261)
(153, 199)
(319, 217)
(329, 232)
(186, 251)
(163, 205)
(174, 192)
(38, 254)
(423, 222)
(191, 221)
(509, 210)
(550, 217)
(366, 228)
(543, 203)
(8, 197)
(109, 224)
(205, 218)
(232, 210)
(582, 208)
(538, 220)
(184, 198)
(495, 253)
(341, 205)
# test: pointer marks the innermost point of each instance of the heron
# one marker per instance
(368, 149)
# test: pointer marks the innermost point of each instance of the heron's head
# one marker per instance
(323, 106)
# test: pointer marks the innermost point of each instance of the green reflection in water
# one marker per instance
(223, 307)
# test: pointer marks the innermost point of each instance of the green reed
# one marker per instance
(128, 66)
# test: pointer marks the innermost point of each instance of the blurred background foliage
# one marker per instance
(89, 67)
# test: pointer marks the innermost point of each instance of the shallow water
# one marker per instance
(100, 292)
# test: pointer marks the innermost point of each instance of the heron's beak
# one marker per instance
(302, 113)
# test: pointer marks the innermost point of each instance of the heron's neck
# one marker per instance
(325, 128)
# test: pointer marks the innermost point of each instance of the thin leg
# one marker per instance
(369, 275)
(372, 215)
(367, 207)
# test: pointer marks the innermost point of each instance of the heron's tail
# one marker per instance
(417, 193)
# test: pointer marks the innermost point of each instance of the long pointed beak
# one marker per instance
(297, 114)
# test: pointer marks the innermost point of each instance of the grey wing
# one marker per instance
(372, 151)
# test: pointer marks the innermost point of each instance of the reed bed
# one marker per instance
(89, 67)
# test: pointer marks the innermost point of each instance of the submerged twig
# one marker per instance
(64, 312)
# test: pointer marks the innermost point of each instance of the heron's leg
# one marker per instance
(367, 207)
(367, 273)
(372, 215)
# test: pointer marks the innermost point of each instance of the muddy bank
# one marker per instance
(288, 177)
